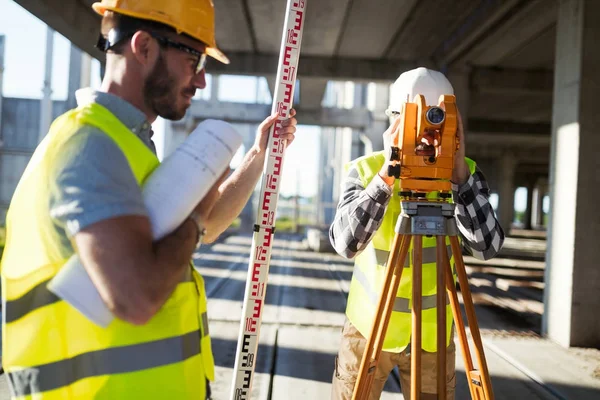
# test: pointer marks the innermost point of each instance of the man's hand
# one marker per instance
(388, 137)
(287, 131)
(460, 173)
(235, 191)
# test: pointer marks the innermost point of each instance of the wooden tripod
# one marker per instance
(431, 218)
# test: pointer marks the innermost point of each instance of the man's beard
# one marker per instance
(160, 92)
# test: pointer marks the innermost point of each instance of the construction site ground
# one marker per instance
(304, 313)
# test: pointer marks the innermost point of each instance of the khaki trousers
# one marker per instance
(350, 355)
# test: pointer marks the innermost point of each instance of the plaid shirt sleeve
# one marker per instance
(479, 229)
(361, 210)
(359, 214)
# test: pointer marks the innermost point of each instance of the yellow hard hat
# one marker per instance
(195, 18)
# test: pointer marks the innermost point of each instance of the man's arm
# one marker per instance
(133, 275)
(97, 202)
(361, 210)
(479, 229)
(359, 214)
(235, 192)
(233, 195)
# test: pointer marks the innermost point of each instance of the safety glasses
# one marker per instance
(200, 57)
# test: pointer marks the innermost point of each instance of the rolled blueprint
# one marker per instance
(170, 194)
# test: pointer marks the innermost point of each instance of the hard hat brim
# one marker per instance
(217, 55)
(210, 50)
(99, 8)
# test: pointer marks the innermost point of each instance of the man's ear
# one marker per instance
(143, 47)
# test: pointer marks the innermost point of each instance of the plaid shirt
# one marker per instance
(360, 213)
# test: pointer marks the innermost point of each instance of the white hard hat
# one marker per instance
(427, 82)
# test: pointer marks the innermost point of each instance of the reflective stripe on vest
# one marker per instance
(401, 304)
(370, 267)
(50, 350)
(114, 360)
(38, 297)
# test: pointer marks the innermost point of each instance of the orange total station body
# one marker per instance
(425, 145)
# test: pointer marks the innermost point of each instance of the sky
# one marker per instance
(24, 66)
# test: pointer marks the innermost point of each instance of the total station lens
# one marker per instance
(435, 115)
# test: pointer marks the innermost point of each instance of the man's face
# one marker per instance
(169, 88)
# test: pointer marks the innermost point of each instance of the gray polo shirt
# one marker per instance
(93, 180)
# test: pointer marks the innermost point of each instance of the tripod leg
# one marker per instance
(442, 259)
(370, 358)
(460, 328)
(417, 307)
(473, 325)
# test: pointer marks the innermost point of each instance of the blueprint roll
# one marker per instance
(174, 189)
(170, 194)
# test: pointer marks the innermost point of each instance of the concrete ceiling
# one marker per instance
(507, 45)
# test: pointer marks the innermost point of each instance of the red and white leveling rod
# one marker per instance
(262, 240)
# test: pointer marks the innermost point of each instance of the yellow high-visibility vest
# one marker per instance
(50, 350)
(369, 274)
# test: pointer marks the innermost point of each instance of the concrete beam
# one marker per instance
(72, 19)
(351, 69)
(486, 80)
(525, 22)
(483, 18)
(255, 113)
(513, 81)
(412, 41)
(358, 38)
(497, 140)
(514, 127)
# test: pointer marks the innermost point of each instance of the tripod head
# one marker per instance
(425, 145)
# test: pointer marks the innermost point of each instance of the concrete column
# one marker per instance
(327, 163)
(1, 81)
(459, 76)
(506, 190)
(336, 151)
(311, 92)
(380, 121)
(540, 222)
(544, 191)
(537, 213)
(248, 214)
(46, 103)
(80, 70)
(572, 274)
(359, 140)
(1, 95)
(74, 75)
(326, 199)
(214, 88)
(529, 208)
(271, 83)
(86, 70)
